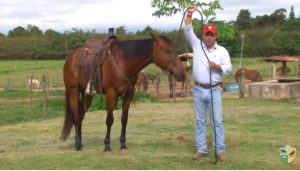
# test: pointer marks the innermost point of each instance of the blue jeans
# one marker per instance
(202, 104)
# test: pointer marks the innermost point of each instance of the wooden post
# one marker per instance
(31, 91)
(242, 84)
(157, 81)
(274, 71)
(173, 88)
(284, 69)
(48, 82)
(188, 82)
(45, 106)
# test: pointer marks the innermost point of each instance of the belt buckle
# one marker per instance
(206, 86)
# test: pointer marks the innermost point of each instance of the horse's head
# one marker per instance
(165, 57)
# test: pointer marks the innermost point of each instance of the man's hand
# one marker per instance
(191, 8)
(214, 66)
(189, 13)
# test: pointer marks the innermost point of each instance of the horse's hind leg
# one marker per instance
(74, 105)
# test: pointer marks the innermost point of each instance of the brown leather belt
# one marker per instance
(206, 86)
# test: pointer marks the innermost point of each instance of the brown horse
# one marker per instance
(153, 78)
(250, 74)
(120, 64)
(283, 71)
(142, 82)
(185, 85)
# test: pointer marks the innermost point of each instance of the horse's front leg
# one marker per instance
(110, 103)
(127, 99)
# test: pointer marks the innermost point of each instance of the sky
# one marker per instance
(101, 14)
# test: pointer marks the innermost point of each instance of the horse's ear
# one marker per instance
(153, 35)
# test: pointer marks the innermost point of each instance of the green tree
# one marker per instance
(169, 8)
(278, 16)
(228, 37)
(257, 42)
(227, 34)
(121, 30)
(34, 30)
(18, 32)
(52, 33)
(286, 42)
(56, 46)
(144, 32)
(76, 38)
(243, 21)
(292, 13)
(291, 25)
(262, 21)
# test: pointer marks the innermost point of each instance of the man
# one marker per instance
(219, 64)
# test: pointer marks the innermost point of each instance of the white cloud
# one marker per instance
(256, 7)
(101, 14)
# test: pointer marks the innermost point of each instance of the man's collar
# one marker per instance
(213, 48)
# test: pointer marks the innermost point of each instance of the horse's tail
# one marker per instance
(68, 123)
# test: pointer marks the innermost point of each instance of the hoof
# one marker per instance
(107, 152)
(78, 148)
(123, 150)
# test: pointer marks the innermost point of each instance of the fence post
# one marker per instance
(45, 104)
(48, 82)
(242, 84)
(157, 81)
(31, 91)
(274, 71)
(173, 88)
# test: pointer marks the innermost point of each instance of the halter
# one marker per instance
(168, 60)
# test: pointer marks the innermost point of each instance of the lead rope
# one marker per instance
(210, 81)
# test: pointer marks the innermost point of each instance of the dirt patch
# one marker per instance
(183, 139)
(295, 166)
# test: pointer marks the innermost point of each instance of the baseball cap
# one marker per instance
(209, 28)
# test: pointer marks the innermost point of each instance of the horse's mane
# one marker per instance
(134, 48)
(137, 48)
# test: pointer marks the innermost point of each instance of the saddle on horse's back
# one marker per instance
(93, 46)
(91, 58)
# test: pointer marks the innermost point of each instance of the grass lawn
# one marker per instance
(160, 135)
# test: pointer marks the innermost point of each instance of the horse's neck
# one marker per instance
(133, 67)
(137, 55)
